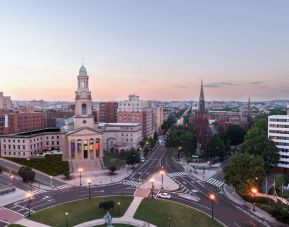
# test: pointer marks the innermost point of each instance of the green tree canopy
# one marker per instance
(181, 137)
(215, 147)
(235, 134)
(132, 157)
(264, 147)
(243, 170)
(26, 173)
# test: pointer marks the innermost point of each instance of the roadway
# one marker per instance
(191, 192)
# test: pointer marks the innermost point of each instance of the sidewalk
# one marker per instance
(29, 223)
(232, 195)
(100, 177)
(168, 183)
(127, 218)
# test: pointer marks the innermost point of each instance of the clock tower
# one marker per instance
(83, 102)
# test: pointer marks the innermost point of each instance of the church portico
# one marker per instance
(84, 145)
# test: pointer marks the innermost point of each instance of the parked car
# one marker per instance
(164, 195)
(142, 160)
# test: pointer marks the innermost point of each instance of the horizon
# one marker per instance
(158, 50)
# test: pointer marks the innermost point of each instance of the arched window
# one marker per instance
(83, 109)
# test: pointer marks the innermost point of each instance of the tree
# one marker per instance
(132, 157)
(106, 205)
(112, 169)
(215, 147)
(264, 147)
(235, 134)
(171, 120)
(26, 173)
(181, 137)
(243, 171)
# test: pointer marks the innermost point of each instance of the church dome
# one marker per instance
(82, 70)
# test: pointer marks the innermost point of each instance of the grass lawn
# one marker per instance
(51, 164)
(158, 211)
(80, 211)
(111, 159)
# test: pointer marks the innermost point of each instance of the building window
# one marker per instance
(83, 109)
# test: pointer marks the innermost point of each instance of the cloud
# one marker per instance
(220, 84)
(256, 83)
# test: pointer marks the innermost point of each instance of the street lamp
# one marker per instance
(254, 191)
(89, 183)
(80, 170)
(29, 196)
(152, 189)
(212, 198)
(169, 218)
(118, 205)
(162, 172)
(51, 181)
(11, 178)
(66, 218)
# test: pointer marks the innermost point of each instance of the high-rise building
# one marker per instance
(200, 122)
(5, 102)
(107, 112)
(159, 118)
(135, 110)
(278, 132)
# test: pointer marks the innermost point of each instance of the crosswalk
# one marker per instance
(178, 174)
(65, 186)
(215, 182)
(38, 191)
(130, 182)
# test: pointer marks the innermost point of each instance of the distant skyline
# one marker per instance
(159, 50)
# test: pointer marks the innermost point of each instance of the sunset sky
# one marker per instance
(157, 49)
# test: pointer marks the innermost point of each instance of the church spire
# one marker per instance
(249, 106)
(202, 107)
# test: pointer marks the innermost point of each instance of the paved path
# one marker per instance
(30, 223)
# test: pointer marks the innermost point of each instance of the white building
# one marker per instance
(120, 136)
(278, 131)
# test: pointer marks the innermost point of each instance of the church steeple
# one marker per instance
(249, 106)
(83, 102)
(202, 107)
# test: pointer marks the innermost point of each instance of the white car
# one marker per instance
(143, 160)
(164, 195)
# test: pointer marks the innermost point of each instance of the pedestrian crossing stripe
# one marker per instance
(130, 182)
(38, 191)
(178, 174)
(215, 182)
(64, 186)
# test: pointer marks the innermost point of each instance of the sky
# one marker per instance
(158, 49)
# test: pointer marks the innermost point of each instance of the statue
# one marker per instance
(108, 219)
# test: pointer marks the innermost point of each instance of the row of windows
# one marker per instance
(133, 104)
(278, 120)
(279, 131)
(278, 126)
(284, 163)
(279, 137)
(23, 141)
(31, 146)
(283, 156)
(282, 144)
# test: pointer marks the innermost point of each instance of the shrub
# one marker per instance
(26, 173)
(112, 169)
(106, 205)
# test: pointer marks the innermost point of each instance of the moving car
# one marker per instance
(164, 195)
(142, 160)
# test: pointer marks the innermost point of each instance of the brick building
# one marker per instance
(107, 112)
